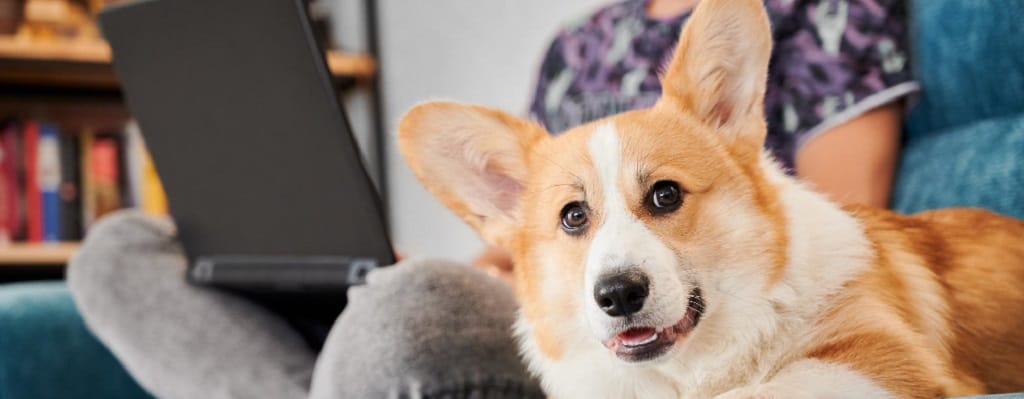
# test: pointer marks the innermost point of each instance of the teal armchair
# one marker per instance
(964, 139)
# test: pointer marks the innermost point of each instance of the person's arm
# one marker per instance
(854, 162)
(842, 75)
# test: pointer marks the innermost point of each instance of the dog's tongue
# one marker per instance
(636, 336)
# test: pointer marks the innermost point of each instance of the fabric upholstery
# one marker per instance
(47, 352)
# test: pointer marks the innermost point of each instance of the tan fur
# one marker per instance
(935, 308)
(969, 266)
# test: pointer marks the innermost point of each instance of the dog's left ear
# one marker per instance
(473, 159)
(720, 68)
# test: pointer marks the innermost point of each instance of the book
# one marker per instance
(105, 175)
(10, 214)
(19, 166)
(49, 178)
(146, 190)
(154, 198)
(123, 189)
(70, 191)
(87, 194)
(31, 193)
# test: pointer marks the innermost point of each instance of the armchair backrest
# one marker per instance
(969, 58)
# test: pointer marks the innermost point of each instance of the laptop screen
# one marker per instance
(236, 105)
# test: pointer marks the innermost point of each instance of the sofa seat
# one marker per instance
(46, 351)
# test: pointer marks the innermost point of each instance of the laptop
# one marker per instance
(263, 175)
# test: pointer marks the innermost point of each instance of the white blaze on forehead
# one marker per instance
(621, 240)
(606, 250)
(624, 241)
(605, 153)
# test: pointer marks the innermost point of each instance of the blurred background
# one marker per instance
(55, 78)
(484, 52)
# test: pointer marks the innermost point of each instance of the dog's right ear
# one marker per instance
(719, 71)
(473, 159)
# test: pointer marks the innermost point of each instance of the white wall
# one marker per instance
(478, 51)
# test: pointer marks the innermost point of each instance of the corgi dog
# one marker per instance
(660, 253)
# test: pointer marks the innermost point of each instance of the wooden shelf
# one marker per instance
(86, 64)
(83, 65)
(72, 113)
(36, 254)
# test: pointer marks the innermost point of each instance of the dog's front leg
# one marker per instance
(813, 379)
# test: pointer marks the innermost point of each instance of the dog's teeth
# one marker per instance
(646, 341)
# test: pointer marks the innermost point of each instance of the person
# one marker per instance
(436, 329)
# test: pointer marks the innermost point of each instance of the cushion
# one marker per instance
(968, 57)
(979, 165)
(1003, 396)
(47, 352)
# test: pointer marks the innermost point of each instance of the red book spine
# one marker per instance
(9, 215)
(105, 175)
(33, 197)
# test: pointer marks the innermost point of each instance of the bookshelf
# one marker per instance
(86, 65)
(73, 83)
(76, 84)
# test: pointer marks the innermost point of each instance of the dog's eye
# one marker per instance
(574, 218)
(665, 197)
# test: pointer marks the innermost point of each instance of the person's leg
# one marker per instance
(425, 329)
(178, 340)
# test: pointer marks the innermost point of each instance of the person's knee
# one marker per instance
(422, 288)
(118, 246)
(426, 326)
(130, 227)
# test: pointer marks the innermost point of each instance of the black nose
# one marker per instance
(621, 294)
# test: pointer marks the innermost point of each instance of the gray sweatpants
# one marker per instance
(420, 329)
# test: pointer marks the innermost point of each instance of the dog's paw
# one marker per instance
(766, 391)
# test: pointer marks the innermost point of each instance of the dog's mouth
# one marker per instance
(638, 344)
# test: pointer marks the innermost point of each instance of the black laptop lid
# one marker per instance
(236, 105)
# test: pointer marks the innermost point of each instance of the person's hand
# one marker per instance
(495, 261)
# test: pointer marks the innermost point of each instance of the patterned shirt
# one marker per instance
(833, 60)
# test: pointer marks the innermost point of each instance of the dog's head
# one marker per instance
(640, 239)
